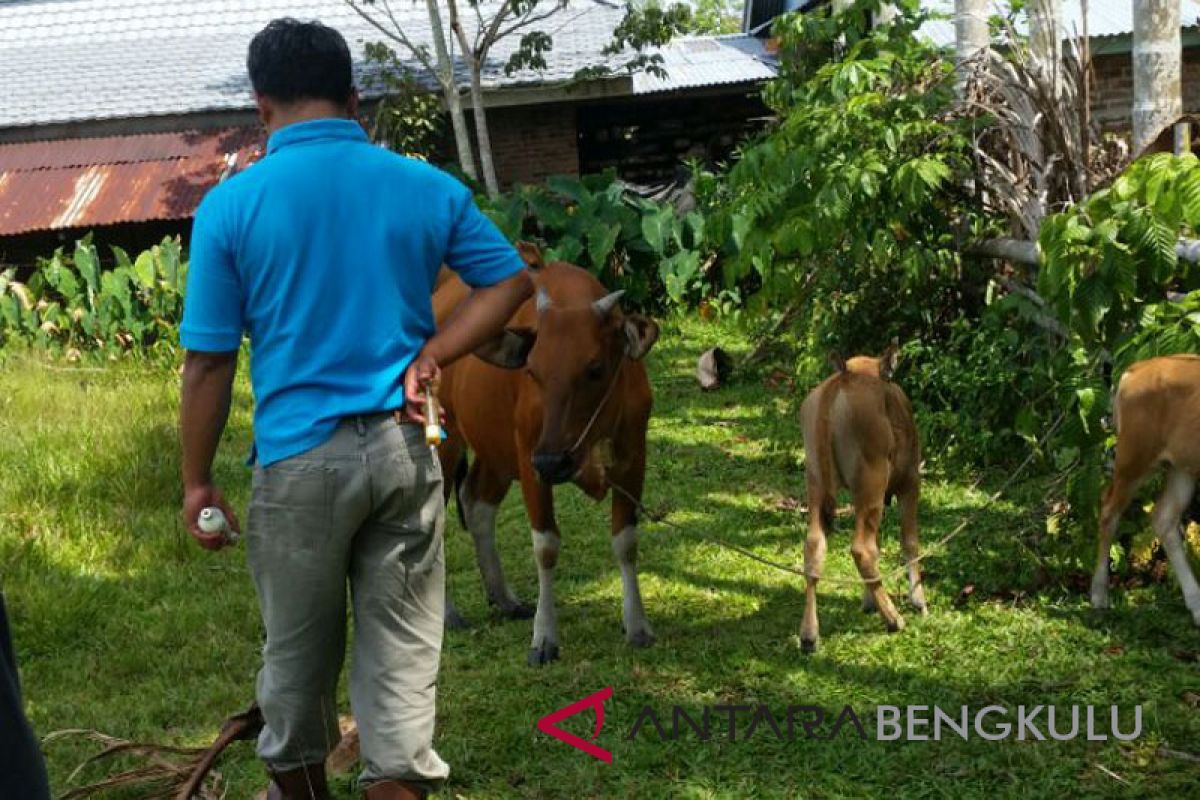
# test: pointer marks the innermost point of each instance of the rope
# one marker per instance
(600, 407)
(661, 518)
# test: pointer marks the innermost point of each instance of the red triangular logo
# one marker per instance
(548, 723)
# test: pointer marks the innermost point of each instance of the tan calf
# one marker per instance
(859, 435)
(1157, 413)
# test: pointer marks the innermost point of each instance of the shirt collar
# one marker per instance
(316, 130)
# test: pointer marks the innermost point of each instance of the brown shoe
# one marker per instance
(306, 783)
(394, 790)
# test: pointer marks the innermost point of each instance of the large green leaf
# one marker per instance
(87, 261)
(600, 242)
(658, 228)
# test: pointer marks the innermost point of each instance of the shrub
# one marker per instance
(71, 304)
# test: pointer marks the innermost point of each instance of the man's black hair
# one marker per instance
(291, 60)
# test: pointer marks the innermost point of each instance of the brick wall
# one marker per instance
(531, 143)
(1112, 92)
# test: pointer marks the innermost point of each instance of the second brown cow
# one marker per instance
(562, 397)
(859, 435)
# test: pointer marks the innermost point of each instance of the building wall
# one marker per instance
(532, 143)
(1112, 91)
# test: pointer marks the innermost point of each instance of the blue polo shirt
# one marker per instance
(326, 253)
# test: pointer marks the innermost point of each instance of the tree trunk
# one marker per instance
(462, 137)
(970, 34)
(481, 132)
(1157, 53)
(1045, 41)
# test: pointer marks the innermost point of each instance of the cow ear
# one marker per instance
(509, 350)
(887, 361)
(640, 335)
(531, 254)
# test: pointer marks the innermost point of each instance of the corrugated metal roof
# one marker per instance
(87, 182)
(81, 60)
(1105, 18)
(708, 61)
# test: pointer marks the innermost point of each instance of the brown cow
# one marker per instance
(562, 397)
(1156, 410)
(859, 434)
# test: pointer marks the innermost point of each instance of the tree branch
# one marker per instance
(396, 35)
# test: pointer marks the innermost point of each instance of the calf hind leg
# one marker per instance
(1167, 513)
(910, 547)
(820, 519)
(865, 550)
(1130, 468)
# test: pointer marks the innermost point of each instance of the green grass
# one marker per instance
(123, 625)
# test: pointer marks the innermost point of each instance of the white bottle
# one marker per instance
(211, 520)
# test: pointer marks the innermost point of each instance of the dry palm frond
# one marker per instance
(1038, 153)
(167, 772)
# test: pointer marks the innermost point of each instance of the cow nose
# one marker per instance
(554, 467)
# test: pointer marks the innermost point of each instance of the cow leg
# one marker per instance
(480, 496)
(910, 547)
(625, 548)
(1130, 468)
(868, 508)
(539, 503)
(1167, 512)
(820, 508)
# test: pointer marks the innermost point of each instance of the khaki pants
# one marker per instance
(363, 508)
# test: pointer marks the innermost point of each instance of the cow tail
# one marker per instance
(828, 507)
(460, 479)
(829, 474)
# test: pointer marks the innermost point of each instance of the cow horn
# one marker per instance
(543, 300)
(604, 306)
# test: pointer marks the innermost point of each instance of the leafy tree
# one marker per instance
(408, 118)
(855, 196)
(716, 16)
(440, 65)
(642, 27)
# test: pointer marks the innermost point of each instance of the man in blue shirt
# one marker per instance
(326, 253)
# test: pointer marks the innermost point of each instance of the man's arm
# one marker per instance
(204, 409)
(479, 319)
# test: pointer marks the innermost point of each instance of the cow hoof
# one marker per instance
(868, 606)
(921, 609)
(515, 610)
(896, 626)
(640, 639)
(808, 646)
(456, 621)
(543, 654)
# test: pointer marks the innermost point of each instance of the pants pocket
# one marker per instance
(291, 506)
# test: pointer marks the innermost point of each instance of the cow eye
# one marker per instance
(595, 370)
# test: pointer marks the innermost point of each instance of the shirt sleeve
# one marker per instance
(478, 251)
(212, 307)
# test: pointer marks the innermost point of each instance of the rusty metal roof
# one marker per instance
(80, 183)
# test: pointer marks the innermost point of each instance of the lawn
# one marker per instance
(125, 626)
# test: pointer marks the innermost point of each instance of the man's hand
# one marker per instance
(204, 407)
(198, 498)
(423, 371)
